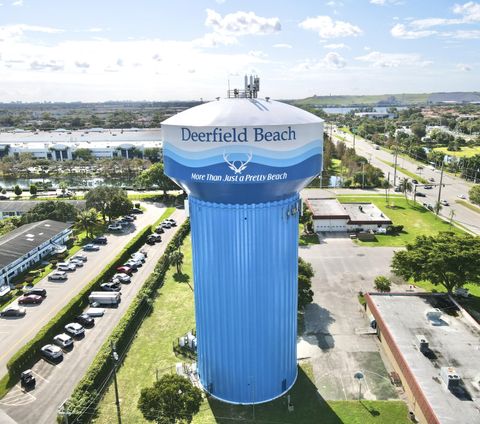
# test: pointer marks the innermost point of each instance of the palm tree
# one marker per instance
(387, 186)
(405, 185)
(86, 220)
(176, 259)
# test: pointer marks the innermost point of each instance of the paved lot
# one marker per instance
(56, 382)
(337, 338)
(16, 332)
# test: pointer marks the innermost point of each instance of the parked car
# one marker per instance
(95, 312)
(4, 197)
(157, 237)
(129, 218)
(100, 240)
(151, 240)
(432, 180)
(113, 286)
(77, 262)
(171, 221)
(80, 256)
(138, 257)
(462, 196)
(444, 203)
(37, 290)
(136, 211)
(57, 275)
(63, 341)
(66, 266)
(122, 278)
(30, 299)
(414, 182)
(27, 380)
(91, 248)
(13, 311)
(166, 224)
(420, 194)
(85, 320)
(125, 270)
(159, 230)
(398, 189)
(428, 187)
(75, 329)
(51, 352)
(462, 292)
(134, 264)
(115, 227)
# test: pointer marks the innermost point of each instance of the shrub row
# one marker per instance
(30, 353)
(88, 391)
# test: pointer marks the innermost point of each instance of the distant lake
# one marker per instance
(344, 110)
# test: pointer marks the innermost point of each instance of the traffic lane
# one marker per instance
(58, 381)
(60, 293)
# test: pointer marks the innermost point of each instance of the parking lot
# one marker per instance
(337, 339)
(15, 332)
(55, 382)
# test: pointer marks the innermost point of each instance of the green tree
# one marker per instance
(51, 209)
(172, 399)
(155, 176)
(474, 194)
(33, 189)
(83, 154)
(87, 220)
(405, 186)
(418, 129)
(387, 186)
(446, 259)
(153, 154)
(305, 268)
(382, 284)
(109, 201)
(17, 190)
(305, 292)
(176, 259)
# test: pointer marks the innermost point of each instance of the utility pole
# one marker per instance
(437, 209)
(117, 400)
(395, 166)
(353, 131)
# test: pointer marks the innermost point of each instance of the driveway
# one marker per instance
(55, 383)
(16, 332)
(337, 338)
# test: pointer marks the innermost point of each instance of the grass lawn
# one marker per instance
(416, 220)
(465, 152)
(408, 173)
(151, 352)
(306, 239)
(468, 205)
(165, 215)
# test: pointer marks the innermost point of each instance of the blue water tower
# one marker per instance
(243, 160)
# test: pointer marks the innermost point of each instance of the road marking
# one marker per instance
(17, 397)
(39, 376)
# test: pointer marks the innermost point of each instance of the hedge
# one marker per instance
(87, 393)
(29, 354)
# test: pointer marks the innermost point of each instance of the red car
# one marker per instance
(30, 298)
(125, 269)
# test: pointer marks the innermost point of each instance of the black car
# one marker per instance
(159, 230)
(151, 240)
(85, 320)
(27, 380)
(100, 240)
(136, 211)
(36, 290)
(420, 194)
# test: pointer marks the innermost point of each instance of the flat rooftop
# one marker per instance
(357, 213)
(365, 213)
(454, 343)
(326, 208)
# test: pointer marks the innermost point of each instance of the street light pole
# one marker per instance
(437, 208)
(117, 400)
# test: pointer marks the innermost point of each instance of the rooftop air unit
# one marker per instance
(450, 377)
(421, 343)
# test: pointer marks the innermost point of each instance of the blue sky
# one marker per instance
(162, 50)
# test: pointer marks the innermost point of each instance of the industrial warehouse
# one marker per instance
(434, 349)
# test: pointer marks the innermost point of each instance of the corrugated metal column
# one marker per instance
(245, 273)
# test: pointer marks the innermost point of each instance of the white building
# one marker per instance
(11, 208)
(329, 215)
(27, 245)
(60, 145)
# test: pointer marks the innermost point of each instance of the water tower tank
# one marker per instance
(242, 162)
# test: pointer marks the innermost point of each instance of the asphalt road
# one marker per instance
(454, 186)
(55, 383)
(16, 332)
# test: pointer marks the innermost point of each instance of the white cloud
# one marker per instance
(336, 46)
(401, 31)
(334, 61)
(282, 46)
(214, 39)
(46, 66)
(393, 60)
(17, 3)
(326, 27)
(470, 11)
(9, 32)
(257, 53)
(384, 2)
(464, 67)
(220, 1)
(464, 34)
(241, 23)
(431, 22)
(334, 3)
(82, 65)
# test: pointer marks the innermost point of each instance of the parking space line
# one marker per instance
(39, 376)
